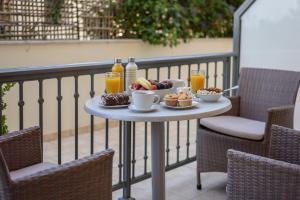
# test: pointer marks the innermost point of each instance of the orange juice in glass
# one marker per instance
(112, 82)
(197, 80)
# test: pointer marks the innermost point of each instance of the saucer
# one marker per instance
(134, 109)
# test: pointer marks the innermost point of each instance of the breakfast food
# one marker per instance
(210, 91)
(184, 99)
(181, 99)
(171, 99)
(114, 99)
(143, 84)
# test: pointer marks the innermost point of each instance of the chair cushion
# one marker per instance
(235, 126)
(30, 170)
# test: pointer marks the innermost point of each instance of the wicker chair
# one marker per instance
(278, 177)
(264, 97)
(23, 175)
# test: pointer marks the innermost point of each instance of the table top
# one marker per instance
(203, 109)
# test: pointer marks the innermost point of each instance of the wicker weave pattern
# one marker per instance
(89, 178)
(212, 147)
(235, 110)
(22, 148)
(261, 89)
(285, 145)
(255, 177)
(4, 178)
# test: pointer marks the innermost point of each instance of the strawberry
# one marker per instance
(153, 87)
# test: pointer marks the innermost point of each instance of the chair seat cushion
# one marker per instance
(235, 126)
(30, 170)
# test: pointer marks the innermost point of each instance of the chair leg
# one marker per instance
(199, 186)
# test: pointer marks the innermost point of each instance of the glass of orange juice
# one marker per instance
(197, 80)
(112, 82)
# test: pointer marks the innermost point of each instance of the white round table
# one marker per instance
(157, 119)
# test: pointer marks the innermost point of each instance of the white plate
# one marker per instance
(194, 104)
(133, 108)
(116, 106)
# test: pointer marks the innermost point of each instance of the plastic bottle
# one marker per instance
(131, 72)
(118, 67)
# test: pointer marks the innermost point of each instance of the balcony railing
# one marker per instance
(219, 72)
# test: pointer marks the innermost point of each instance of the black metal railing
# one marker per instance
(217, 67)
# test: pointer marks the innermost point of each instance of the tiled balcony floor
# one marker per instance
(180, 183)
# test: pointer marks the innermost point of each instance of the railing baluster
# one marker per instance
(216, 74)
(147, 73)
(207, 74)
(92, 94)
(76, 96)
(145, 148)
(41, 117)
(178, 123)
(198, 66)
(21, 105)
(157, 73)
(146, 135)
(1, 109)
(168, 144)
(168, 129)
(226, 74)
(120, 165)
(188, 121)
(178, 140)
(106, 133)
(59, 99)
(133, 151)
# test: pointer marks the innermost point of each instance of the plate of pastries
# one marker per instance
(181, 100)
(120, 100)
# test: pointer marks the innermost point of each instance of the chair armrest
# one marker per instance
(282, 116)
(285, 144)
(255, 177)
(86, 178)
(22, 148)
(235, 110)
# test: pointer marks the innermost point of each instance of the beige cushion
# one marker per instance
(235, 126)
(30, 170)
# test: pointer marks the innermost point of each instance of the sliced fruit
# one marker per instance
(153, 87)
(146, 84)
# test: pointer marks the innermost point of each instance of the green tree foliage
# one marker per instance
(168, 22)
(3, 105)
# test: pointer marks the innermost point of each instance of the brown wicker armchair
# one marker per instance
(23, 175)
(264, 97)
(278, 177)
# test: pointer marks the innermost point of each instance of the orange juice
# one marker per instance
(197, 82)
(112, 83)
(118, 67)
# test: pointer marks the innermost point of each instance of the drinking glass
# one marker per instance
(197, 80)
(112, 82)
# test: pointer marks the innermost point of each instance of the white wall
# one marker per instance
(50, 53)
(271, 38)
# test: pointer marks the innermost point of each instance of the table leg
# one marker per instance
(127, 163)
(158, 160)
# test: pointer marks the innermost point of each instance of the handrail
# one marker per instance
(47, 72)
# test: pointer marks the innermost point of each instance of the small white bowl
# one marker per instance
(209, 97)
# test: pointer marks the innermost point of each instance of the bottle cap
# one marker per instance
(118, 60)
(131, 60)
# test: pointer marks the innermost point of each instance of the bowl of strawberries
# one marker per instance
(161, 88)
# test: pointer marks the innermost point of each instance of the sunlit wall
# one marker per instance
(270, 38)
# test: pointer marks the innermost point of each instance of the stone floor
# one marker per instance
(180, 183)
